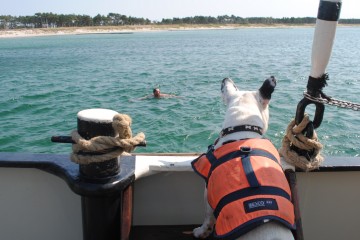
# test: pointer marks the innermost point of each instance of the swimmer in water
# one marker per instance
(158, 94)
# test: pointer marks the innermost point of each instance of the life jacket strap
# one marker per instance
(210, 155)
(249, 171)
(243, 152)
(247, 192)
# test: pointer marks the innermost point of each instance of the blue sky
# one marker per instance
(159, 9)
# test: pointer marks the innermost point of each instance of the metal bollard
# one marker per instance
(102, 214)
(92, 123)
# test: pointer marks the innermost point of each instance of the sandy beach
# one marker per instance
(33, 32)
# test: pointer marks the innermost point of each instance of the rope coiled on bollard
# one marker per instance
(97, 149)
(294, 137)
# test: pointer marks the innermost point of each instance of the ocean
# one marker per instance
(46, 81)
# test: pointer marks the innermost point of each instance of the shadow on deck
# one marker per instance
(181, 232)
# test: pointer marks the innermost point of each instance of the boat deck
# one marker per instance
(166, 192)
(174, 232)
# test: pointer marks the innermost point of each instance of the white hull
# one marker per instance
(37, 205)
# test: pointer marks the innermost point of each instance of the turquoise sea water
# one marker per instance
(45, 81)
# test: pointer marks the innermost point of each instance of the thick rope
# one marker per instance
(295, 137)
(123, 143)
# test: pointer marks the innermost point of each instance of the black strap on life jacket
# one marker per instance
(247, 192)
(244, 153)
(249, 171)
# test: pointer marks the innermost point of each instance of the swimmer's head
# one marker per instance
(156, 93)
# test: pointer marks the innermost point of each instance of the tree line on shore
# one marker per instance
(51, 20)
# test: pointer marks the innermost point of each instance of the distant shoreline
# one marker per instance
(33, 32)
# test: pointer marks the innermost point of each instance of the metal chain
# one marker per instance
(334, 102)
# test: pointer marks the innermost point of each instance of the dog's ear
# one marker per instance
(268, 88)
(228, 89)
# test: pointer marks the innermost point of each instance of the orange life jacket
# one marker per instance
(246, 186)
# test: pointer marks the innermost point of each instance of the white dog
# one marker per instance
(247, 195)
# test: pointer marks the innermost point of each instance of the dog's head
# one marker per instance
(249, 108)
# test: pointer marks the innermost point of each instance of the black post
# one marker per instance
(101, 214)
(291, 177)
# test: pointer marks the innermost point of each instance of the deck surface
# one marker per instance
(182, 232)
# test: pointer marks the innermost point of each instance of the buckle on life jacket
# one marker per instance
(245, 149)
